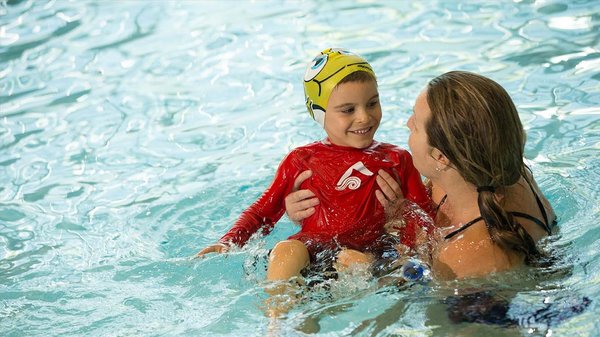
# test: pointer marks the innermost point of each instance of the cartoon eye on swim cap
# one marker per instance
(313, 69)
(324, 73)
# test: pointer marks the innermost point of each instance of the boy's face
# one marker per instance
(353, 114)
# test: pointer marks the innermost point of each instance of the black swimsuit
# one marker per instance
(544, 224)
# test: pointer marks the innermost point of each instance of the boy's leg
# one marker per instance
(286, 261)
(347, 258)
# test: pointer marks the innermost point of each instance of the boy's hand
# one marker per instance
(390, 189)
(215, 248)
(300, 204)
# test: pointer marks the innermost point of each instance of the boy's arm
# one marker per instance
(214, 248)
(267, 210)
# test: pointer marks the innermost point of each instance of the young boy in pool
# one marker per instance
(342, 96)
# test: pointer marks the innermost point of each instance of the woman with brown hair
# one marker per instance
(467, 139)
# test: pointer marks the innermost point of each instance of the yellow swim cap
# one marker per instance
(324, 72)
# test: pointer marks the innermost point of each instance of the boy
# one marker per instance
(341, 95)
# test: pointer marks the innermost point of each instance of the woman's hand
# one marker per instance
(300, 204)
(390, 189)
(215, 248)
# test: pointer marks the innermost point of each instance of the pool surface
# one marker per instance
(133, 133)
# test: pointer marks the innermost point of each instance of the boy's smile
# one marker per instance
(353, 114)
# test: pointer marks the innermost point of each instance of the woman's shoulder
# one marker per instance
(530, 207)
(472, 253)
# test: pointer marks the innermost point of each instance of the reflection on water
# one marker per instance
(133, 133)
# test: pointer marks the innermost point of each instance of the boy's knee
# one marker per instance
(287, 259)
(287, 249)
(348, 257)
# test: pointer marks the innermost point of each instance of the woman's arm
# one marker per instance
(300, 204)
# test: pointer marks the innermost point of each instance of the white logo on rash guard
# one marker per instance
(349, 181)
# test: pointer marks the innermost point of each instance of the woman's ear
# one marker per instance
(443, 162)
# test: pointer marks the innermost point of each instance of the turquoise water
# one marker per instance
(133, 133)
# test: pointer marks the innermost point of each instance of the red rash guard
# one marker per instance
(344, 181)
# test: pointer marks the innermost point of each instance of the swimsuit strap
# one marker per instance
(441, 203)
(465, 226)
(532, 218)
(517, 214)
(545, 225)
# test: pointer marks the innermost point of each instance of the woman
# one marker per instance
(467, 139)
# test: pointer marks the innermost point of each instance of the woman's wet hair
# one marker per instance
(475, 124)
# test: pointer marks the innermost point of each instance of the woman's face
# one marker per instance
(418, 141)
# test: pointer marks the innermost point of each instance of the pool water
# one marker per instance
(133, 133)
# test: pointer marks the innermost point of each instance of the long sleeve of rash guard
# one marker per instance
(267, 210)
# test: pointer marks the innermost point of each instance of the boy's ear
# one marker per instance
(440, 158)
